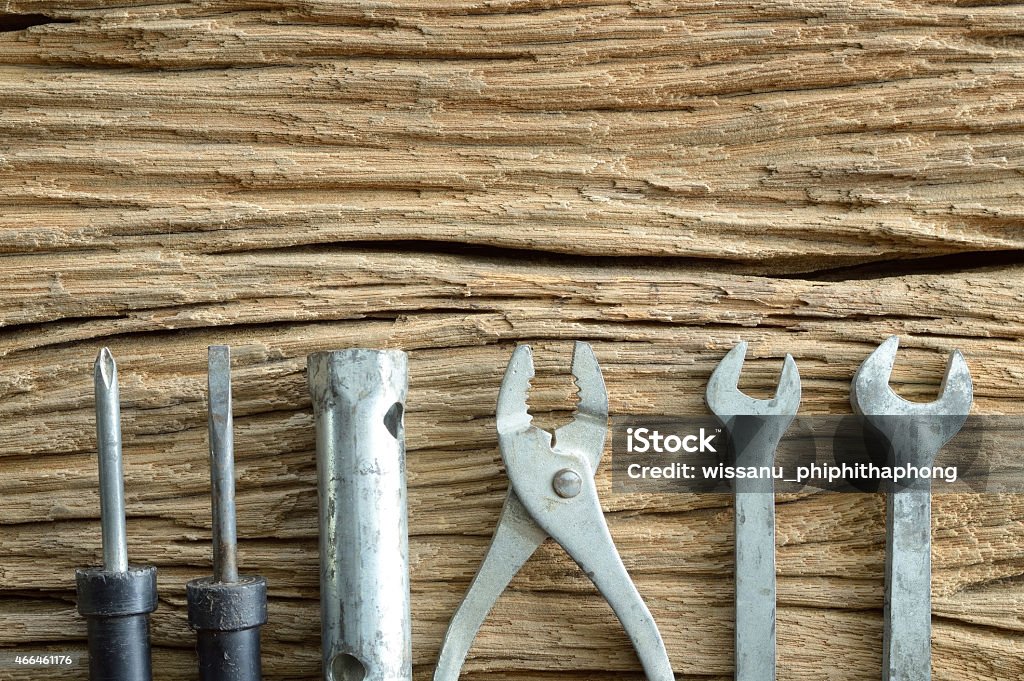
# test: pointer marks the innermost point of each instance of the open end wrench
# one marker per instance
(755, 428)
(915, 433)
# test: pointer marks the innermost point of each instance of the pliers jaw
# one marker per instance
(584, 435)
(513, 415)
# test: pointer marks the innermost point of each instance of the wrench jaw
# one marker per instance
(871, 394)
(755, 426)
(723, 395)
(725, 399)
(915, 431)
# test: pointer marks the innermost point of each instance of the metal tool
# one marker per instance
(117, 598)
(225, 610)
(358, 405)
(755, 428)
(915, 433)
(553, 494)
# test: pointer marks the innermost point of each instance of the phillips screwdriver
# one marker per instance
(225, 610)
(116, 599)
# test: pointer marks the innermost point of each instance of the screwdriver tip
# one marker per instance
(105, 371)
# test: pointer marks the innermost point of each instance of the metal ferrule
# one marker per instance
(358, 405)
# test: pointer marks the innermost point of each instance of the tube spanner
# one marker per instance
(358, 409)
(915, 433)
(553, 493)
(755, 428)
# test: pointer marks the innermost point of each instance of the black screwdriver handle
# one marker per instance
(227, 617)
(117, 607)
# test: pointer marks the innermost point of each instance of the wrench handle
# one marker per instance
(906, 655)
(755, 439)
(755, 585)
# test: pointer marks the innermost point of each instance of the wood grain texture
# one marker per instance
(659, 178)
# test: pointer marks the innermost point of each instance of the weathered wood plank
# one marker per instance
(290, 178)
(735, 131)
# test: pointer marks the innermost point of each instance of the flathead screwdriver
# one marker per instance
(225, 610)
(117, 598)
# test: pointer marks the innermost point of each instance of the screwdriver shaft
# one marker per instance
(108, 440)
(225, 610)
(222, 467)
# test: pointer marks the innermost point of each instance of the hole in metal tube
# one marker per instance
(345, 667)
(393, 419)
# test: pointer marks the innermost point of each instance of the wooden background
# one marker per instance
(660, 178)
